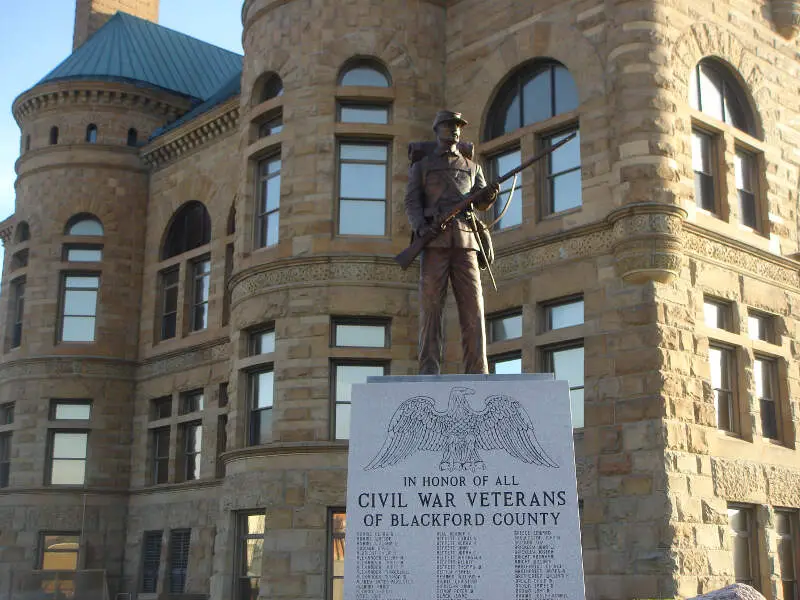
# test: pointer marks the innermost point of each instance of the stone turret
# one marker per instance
(91, 15)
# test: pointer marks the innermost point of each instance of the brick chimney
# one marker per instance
(91, 15)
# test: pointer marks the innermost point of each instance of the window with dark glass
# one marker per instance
(499, 165)
(191, 402)
(535, 92)
(563, 182)
(5, 458)
(337, 528)
(179, 540)
(222, 443)
(169, 303)
(249, 554)
(262, 341)
(505, 326)
(363, 188)
(79, 307)
(721, 360)
(67, 457)
(58, 551)
(360, 333)
(563, 313)
(765, 373)
(27, 142)
(7, 414)
(161, 408)
(363, 113)
(70, 410)
(151, 560)
(743, 529)
(19, 260)
(745, 174)
(83, 224)
(567, 363)
(133, 137)
(201, 281)
(22, 233)
(717, 314)
(17, 311)
(53, 135)
(506, 364)
(786, 527)
(82, 253)
(345, 374)
(192, 438)
(713, 91)
(271, 126)
(268, 86)
(269, 202)
(703, 165)
(261, 390)
(91, 134)
(223, 395)
(760, 326)
(160, 455)
(364, 72)
(190, 228)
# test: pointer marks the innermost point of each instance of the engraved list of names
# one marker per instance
(462, 491)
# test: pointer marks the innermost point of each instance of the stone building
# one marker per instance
(200, 264)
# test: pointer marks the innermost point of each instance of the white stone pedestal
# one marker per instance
(462, 488)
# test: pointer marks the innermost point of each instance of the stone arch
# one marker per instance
(542, 39)
(706, 39)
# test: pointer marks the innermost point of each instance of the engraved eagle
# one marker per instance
(460, 432)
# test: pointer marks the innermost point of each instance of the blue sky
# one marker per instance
(35, 36)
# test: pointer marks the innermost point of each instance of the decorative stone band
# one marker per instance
(47, 367)
(786, 17)
(194, 134)
(647, 241)
(304, 272)
(83, 93)
(185, 359)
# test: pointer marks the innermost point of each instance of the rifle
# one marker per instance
(407, 256)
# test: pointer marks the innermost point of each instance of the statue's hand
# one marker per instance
(487, 196)
(424, 230)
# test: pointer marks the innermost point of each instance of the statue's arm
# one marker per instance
(485, 200)
(415, 198)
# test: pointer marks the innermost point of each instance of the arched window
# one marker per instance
(190, 228)
(533, 93)
(91, 134)
(84, 224)
(714, 90)
(53, 135)
(364, 71)
(267, 87)
(22, 233)
(133, 137)
(538, 91)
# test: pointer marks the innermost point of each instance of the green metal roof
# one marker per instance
(128, 48)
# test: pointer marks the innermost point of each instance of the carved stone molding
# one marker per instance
(192, 135)
(740, 257)
(318, 271)
(647, 241)
(786, 17)
(186, 358)
(55, 366)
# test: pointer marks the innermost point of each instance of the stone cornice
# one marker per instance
(61, 94)
(198, 132)
(42, 367)
(281, 448)
(182, 358)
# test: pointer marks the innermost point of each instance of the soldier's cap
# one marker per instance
(448, 115)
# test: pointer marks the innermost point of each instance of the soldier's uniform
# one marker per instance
(431, 194)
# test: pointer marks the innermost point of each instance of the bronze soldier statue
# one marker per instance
(437, 183)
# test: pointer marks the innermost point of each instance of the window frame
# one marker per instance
(752, 542)
(164, 287)
(178, 586)
(770, 364)
(342, 105)
(792, 516)
(191, 457)
(62, 316)
(386, 200)
(253, 411)
(547, 178)
(40, 555)
(492, 162)
(200, 278)
(493, 318)
(546, 314)
(376, 322)
(254, 340)
(547, 352)
(364, 62)
(728, 354)
(243, 535)
(495, 359)
(53, 460)
(184, 408)
(160, 461)
(263, 214)
(753, 193)
(6, 438)
(335, 363)
(17, 305)
(332, 537)
(151, 566)
(713, 204)
(56, 402)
